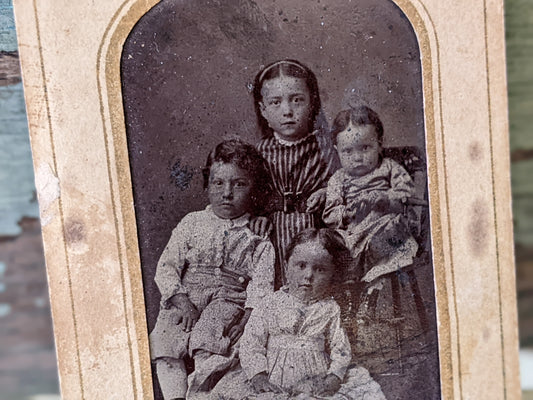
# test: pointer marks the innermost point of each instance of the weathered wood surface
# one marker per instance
(27, 355)
(519, 26)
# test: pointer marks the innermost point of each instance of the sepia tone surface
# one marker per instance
(187, 78)
(469, 360)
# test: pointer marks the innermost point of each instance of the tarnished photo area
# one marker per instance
(279, 170)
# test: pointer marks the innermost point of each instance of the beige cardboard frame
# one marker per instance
(70, 53)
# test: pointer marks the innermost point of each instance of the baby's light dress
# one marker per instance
(388, 229)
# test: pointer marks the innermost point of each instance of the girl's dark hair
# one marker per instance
(246, 157)
(292, 68)
(362, 115)
(332, 241)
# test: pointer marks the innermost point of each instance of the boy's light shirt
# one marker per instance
(203, 239)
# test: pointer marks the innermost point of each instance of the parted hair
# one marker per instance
(333, 242)
(279, 68)
(361, 115)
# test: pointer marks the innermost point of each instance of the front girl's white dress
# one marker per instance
(291, 341)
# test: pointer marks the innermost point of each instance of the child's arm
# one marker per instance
(261, 384)
(402, 185)
(261, 284)
(237, 330)
(318, 385)
(171, 263)
(252, 352)
(316, 201)
(261, 226)
(339, 345)
(188, 313)
(262, 274)
(335, 209)
(168, 276)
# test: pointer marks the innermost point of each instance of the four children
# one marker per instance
(216, 276)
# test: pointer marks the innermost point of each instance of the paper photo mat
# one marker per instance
(71, 66)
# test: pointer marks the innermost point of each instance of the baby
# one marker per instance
(365, 198)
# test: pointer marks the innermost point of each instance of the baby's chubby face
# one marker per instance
(229, 190)
(310, 270)
(358, 148)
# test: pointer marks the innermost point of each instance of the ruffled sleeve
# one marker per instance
(172, 262)
(402, 185)
(262, 282)
(254, 342)
(339, 346)
(335, 208)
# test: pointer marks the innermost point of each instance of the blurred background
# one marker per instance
(27, 355)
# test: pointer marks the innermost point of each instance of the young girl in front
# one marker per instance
(212, 273)
(287, 103)
(366, 197)
(294, 345)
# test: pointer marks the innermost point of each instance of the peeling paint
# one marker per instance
(17, 189)
(5, 310)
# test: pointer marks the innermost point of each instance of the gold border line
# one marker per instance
(60, 202)
(448, 217)
(444, 329)
(116, 114)
(495, 215)
(114, 206)
(111, 57)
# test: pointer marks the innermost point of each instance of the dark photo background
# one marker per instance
(187, 72)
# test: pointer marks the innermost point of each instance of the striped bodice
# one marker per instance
(300, 169)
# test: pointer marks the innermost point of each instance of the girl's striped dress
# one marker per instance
(298, 169)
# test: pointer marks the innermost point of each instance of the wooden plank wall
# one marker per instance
(519, 35)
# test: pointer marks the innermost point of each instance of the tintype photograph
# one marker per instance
(279, 173)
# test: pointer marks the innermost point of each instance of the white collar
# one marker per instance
(236, 222)
(288, 142)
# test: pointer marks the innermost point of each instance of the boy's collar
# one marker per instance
(236, 222)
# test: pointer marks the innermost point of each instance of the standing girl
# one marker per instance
(287, 103)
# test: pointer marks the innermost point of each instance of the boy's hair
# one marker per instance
(332, 241)
(292, 68)
(246, 157)
(362, 115)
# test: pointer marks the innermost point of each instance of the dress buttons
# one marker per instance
(241, 279)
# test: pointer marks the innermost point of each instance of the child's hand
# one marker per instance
(304, 386)
(235, 332)
(328, 386)
(187, 312)
(358, 211)
(379, 200)
(319, 385)
(261, 384)
(316, 201)
(261, 226)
